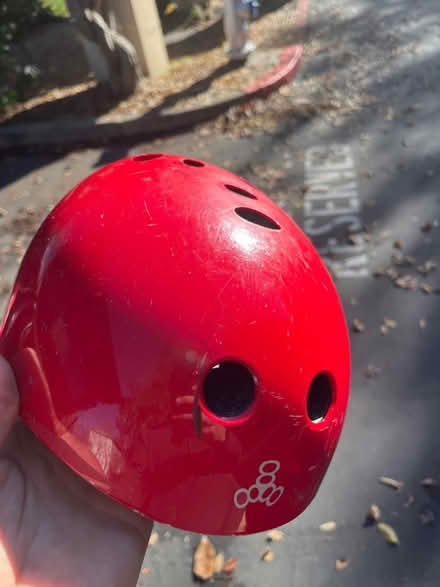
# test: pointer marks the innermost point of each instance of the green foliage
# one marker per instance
(56, 7)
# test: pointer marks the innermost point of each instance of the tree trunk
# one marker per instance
(111, 56)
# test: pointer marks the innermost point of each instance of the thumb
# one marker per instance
(9, 400)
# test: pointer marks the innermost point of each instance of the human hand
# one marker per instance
(56, 530)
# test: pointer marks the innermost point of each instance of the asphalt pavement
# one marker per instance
(362, 175)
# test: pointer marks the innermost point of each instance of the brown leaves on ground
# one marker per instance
(390, 482)
(388, 324)
(358, 325)
(207, 562)
(427, 267)
(373, 514)
(267, 555)
(408, 281)
(275, 536)
(230, 566)
(270, 175)
(204, 559)
(154, 539)
(426, 288)
(388, 533)
(372, 371)
(186, 74)
(427, 517)
(430, 482)
(219, 563)
(342, 564)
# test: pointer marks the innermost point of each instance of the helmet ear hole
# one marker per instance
(320, 397)
(229, 390)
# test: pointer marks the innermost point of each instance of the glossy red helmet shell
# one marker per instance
(180, 345)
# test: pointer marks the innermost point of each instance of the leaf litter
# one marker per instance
(390, 482)
(388, 533)
(328, 526)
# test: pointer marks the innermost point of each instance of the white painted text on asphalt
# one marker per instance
(332, 210)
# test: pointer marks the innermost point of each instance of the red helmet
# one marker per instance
(180, 345)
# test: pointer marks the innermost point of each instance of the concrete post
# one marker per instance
(140, 23)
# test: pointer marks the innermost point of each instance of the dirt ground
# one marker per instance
(199, 69)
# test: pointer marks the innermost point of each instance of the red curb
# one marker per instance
(290, 60)
(283, 73)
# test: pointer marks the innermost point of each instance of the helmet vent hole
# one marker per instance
(147, 157)
(257, 218)
(240, 191)
(229, 390)
(193, 163)
(320, 397)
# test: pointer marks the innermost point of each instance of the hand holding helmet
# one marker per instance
(179, 344)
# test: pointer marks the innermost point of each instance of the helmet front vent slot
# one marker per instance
(256, 217)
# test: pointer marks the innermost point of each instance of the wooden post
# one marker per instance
(140, 23)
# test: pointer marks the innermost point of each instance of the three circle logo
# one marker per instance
(263, 490)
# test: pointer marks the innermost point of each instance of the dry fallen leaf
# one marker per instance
(145, 571)
(427, 517)
(154, 538)
(342, 564)
(422, 323)
(391, 482)
(219, 563)
(230, 566)
(427, 227)
(358, 326)
(372, 371)
(373, 514)
(267, 556)
(430, 482)
(427, 267)
(407, 282)
(392, 273)
(411, 499)
(388, 533)
(204, 559)
(397, 245)
(387, 324)
(275, 536)
(328, 526)
(426, 288)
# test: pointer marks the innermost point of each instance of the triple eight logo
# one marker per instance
(263, 490)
